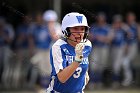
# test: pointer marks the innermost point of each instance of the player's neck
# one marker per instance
(72, 43)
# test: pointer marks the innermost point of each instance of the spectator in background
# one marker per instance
(43, 34)
(100, 38)
(119, 32)
(23, 53)
(132, 47)
(22, 41)
(6, 38)
(50, 18)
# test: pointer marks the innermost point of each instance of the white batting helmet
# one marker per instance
(73, 19)
(50, 15)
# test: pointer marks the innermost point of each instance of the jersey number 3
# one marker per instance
(78, 72)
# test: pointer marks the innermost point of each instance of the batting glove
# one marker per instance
(79, 52)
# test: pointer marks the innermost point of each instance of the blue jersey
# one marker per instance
(2, 39)
(100, 31)
(5, 32)
(41, 35)
(133, 30)
(119, 38)
(23, 30)
(62, 55)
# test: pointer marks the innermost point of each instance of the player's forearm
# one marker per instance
(66, 73)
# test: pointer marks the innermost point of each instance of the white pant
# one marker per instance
(129, 57)
(117, 58)
(42, 60)
(98, 58)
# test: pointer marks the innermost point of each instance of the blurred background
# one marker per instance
(28, 28)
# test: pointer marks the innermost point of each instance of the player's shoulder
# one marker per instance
(88, 43)
(59, 43)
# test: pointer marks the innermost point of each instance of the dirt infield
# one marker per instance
(94, 91)
(115, 91)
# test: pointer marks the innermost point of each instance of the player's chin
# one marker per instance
(79, 40)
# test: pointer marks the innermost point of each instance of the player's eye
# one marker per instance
(78, 29)
(83, 29)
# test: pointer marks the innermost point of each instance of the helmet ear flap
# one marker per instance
(85, 36)
(86, 33)
(66, 32)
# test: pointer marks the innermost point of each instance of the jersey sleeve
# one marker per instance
(88, 43)
(57, 59)
(87, 49)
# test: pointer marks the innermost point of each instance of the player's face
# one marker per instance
(131, 18)
(101, 19)
(117, 24)
(77, 33)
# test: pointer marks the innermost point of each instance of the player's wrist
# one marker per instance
(78, 58)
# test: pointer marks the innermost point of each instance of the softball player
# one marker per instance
(118, 47)
(42, 41)
(100, 37)
(132, 47)
(69, 56)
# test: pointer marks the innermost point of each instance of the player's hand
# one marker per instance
(79, 52)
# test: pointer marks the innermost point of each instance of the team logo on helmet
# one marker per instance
(79, 18)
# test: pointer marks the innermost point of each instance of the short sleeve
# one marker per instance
(57, 58)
